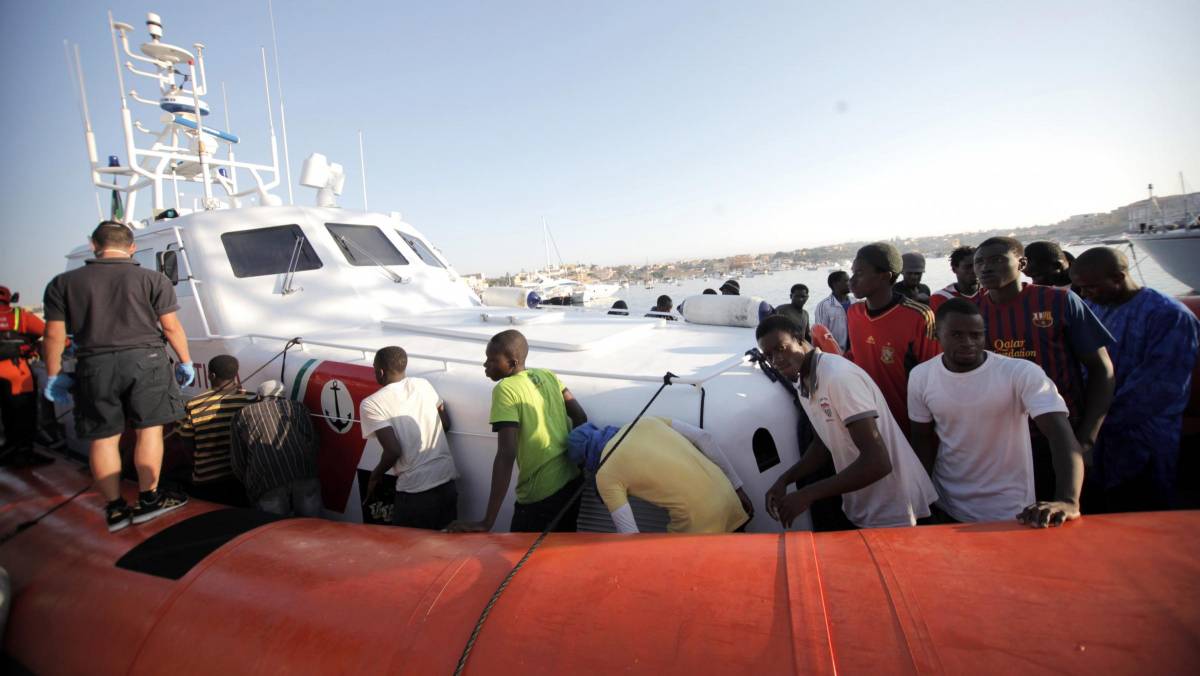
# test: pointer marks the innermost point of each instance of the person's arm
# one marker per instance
(1163, 374)
(925, 443)
(441, 409)
(623, 519)
(392, 453)
(813, 459)
(574, 409)
(176, 338)
(237, 450)
(1101, 381)
(871, 465)
(1067, 456)
(54, 344)
(707, 445)
(502, 467)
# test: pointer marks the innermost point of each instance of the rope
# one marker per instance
(26, 525)
(487, 609)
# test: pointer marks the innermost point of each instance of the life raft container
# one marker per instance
(725, 310)
(510, 296)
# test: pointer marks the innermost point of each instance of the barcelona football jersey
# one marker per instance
(1050, 327)
(888, 344)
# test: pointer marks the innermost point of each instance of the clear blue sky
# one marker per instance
(645, 130)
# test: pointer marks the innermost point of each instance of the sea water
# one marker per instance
(775, 287)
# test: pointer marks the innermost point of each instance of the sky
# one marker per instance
(640, 131)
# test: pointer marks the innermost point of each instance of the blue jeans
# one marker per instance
(301, 497)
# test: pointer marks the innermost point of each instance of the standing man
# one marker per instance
(881, 482)
(662, 309)
(1047, 264)
(831, 312)
(119, 315)
(20, 331)
(1054, 329)
(532, 414)
(1137, 450)
(889, 333)
(274, 454)
(910, 286)
(207, 422)
(962, 263)
(795, 311)
(970, 412)
(408, 420)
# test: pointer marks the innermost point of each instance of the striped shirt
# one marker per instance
(830, 314)
(273, 444)
(1050, 327)
(207, 418)
(951, 291)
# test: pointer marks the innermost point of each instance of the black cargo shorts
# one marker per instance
(137, 384)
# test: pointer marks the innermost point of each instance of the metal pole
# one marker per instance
(363, 165)
(287, 163)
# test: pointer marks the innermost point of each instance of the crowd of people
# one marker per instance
(986, 400)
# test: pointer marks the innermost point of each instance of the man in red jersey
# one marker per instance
(962, 263)
(889, 334)
(1054, 329)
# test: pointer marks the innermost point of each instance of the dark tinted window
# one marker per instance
(268, 251)
(766, 455)
(362, 243)
(423, 251)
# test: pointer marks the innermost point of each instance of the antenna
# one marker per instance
(362, 162)
(287, 163)
(112, 31)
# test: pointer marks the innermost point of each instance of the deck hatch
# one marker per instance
(172, 552)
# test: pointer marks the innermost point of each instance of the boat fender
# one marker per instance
(823, 339)
(510, 296)
(725, 310)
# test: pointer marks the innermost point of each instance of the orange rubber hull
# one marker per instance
(1114, 594)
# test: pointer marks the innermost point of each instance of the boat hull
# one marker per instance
(1111, 594)
(1176, 251)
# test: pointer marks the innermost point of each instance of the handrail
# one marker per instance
(719, 368)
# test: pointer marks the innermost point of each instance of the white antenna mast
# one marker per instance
(287, 163)
(76, 73)
(362, 162)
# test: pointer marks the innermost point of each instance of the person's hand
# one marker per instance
(746, 504)
(372, 484)
(792, 506)
(58, 388)
(1048, 514)
(774, 495)
(185, 373)
(468, 527)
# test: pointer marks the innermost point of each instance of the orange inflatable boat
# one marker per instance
(207, 590)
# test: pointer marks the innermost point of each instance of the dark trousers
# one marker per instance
(432, 509)
(1136, 494)
(536, 516)
(19, 413)
(226, 491)
(1043, 468)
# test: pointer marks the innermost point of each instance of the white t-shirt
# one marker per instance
(410, 408)
(984, 466)
(841, 393)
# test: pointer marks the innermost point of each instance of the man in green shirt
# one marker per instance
(532, 414)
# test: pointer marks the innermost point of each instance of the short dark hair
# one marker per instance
(798, 286)
(882, 256)
(1011, 242)
(834, 276)
(223, 367)
(960, 253)
(955, 306)
(512, 343)
(710, 292)
(392, 359)
(1046, 252)
(112, 234)
(663, 300)
(775, 323)
(620, 305)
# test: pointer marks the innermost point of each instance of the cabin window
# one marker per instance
(269, 251)
(766, 455)
(423, 251)
(365, 245)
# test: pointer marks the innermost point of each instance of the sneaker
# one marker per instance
(168, 501)
(118, 515)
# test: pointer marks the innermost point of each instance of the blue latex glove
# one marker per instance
(58, 388)
(185, 373)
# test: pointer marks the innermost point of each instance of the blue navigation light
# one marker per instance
(114, 161)
(223, 172)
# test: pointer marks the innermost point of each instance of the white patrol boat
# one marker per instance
(316, 290)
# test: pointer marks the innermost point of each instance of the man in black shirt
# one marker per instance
(119, 315)
(910, 285)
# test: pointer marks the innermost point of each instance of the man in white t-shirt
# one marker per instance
(970, 410)
(881, 482)
(408, 420)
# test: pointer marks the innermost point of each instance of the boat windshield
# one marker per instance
(423, 251)
(356, 240)
(269, 251)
